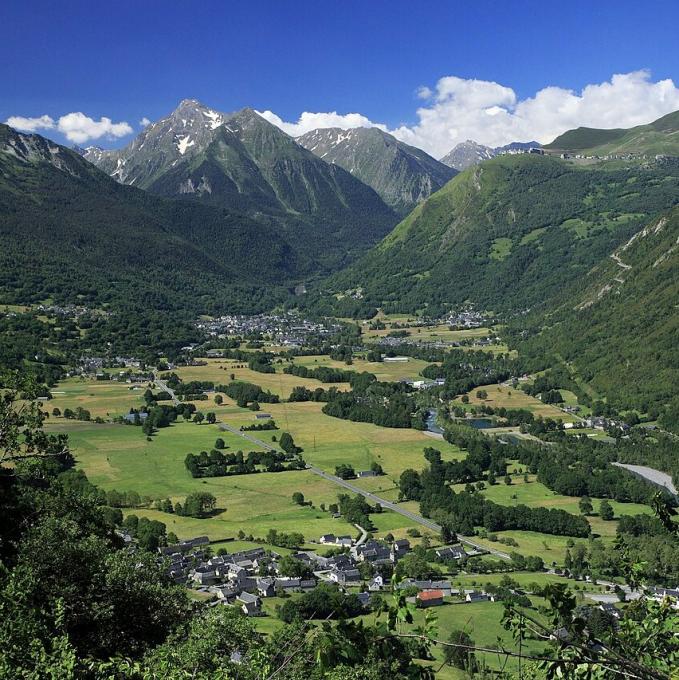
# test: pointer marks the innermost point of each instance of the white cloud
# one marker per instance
(144, 122)
(76, 127)
(490, 113)
(31, 124)
(79, 128)
(311, 121)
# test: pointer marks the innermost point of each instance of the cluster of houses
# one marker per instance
(245, 578)
(283, 329)
(598, 423)
(467, 318)
(89, 365)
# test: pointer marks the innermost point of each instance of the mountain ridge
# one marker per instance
(241, 161)
(401, 174)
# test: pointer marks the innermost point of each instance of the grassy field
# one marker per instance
(101, 397)
(385, 371)
(219, 371)
(501, 395)
(120, 457)
(534, 494)
(328, 441)
(427, 333)
(481, 619)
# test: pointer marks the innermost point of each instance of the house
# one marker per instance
(610, 608)
(377, 583)
(430, 598)
(262, 416)
(445, 586)
(364, 598)
(372, 551)
(228, 592)
(266, 587)
(455, 552)
(250, 604)
(133, 417)
(475, 596)
(367, 473)
(399, 549)
(327, 539)
(292, 585)
(344, 541)
(204, 578)
(345, 575)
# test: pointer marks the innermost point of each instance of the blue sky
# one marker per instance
(128, 60)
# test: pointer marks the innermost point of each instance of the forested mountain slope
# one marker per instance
(401, 174)
(511, 234)
(69, 232)
(622, 333)
(242, 162)
(659, 137)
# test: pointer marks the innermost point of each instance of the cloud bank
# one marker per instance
(457, 109)
(76, 127)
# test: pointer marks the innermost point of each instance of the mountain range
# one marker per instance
(243, 163)
(470, 153)
(72, 234)
(401, 174)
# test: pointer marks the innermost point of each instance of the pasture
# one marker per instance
(103, 398)
(508, 397)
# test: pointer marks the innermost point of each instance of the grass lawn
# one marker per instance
(501, 395)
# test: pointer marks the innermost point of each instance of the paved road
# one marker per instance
(654, 476)
(402, 511)
(162, 385)
(245, 435)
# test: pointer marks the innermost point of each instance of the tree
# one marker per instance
(585, 505)
(287, 443)
(199, 504)
(606, 510)
(481, 394)
(465, 399)
(298, 498)
(345, 471)
(508, 480)
(219, 443)
(56, 412)
(460, 656)
(198, 417)
(211, 418)
(219, 399)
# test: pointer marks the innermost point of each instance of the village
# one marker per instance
(244, 578)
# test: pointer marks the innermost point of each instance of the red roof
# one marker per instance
(430, 595)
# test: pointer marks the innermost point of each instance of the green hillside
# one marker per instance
(69, 232)
(511, 234)
(621, 334)
(659, 137)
